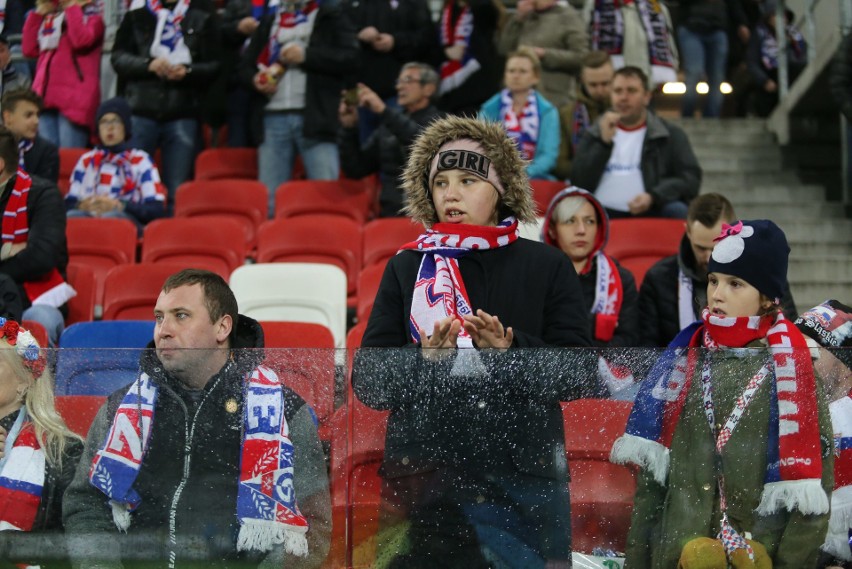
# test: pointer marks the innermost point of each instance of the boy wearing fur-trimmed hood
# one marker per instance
(460, 295)
(731, 434)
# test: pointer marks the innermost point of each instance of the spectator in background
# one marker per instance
(674, 290)
(14, 12)
(576, 223)
(10, 76)
(828, 329)
(470, 67)
(530, 120)
(386, 150)
(635, 34)
(34, 252)
(389, 34)
(762, 59)
(591, 100)
(296, 63)
(637, 163)
(115, 179)
(67, 38)
(703, 37)
(166, 53)
(38, 156)
(557, 35)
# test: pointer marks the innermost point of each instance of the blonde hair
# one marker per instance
(50, 428)
(528, 53)
(566, 208)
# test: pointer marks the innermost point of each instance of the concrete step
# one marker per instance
(794, 193)
(821, 268)
(808, 248)
(776, 211)
(815, 230)
(808, 295)
(739, 163)
(726, 152)
(729, 139)
(704, 127)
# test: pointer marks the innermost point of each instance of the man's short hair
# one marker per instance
(8, 150)
(632, 71)
(428, 75)
(10, 99)
(218, 296)
(595, 59)
(528, 53)
(708, 209)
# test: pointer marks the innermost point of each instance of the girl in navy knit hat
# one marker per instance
(732, 438)
(115, 180)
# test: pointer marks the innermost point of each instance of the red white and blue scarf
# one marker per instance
(2, 15)
(456, 32)
(523, 129)
(609, 295)
(769, 45)
(287, 23)
(838, 541)
(607, 29)
(128, 175)
(50, 31)
(21, 476)
(24, 146)
(794, 464)
(580, 123)
(439, 290)
(168, 36)
(266, 505)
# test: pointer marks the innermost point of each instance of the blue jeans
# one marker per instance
(55, 127)
(50, 318)
(700, 54)
(282, 140)
(177, 141)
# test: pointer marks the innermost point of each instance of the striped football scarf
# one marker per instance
(457, 32)
(21, 476)
(522, 128)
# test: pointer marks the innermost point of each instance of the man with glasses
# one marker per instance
(386, 150)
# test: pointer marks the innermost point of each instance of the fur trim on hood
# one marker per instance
(511, 169)
(603, 219)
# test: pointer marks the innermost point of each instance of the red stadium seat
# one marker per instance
(217, 163)
(246, 201)
(638, 243)
(368, 285)
(317, 238)
(81, 308)
(101, 244)
(37, 330)
(131, 291)
(68, 158)
(601, 492)
(78, 411)
(383, 237)
(544, 191)
(196, 242)
(347, 198)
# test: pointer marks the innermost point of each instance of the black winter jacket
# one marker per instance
(331, 55)
(46, 247)
(42, 160)
(704, 16)
(159, 99)
(385, 151)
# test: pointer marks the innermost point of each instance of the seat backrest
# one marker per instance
(216, 163)
(296, 335)
(644, 236)
(99, 357)
(369, 280)
(81, 308)
(131, 291)
(68, 158)
(383, 237)
(544, 190)
(298, 292)
(196, 242)
(78, 411)
(244, 200)
(101, 243)
(347, 198)
(38, 331)
(318, 238)
(592, 425)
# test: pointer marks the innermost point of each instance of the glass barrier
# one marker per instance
(408, 458)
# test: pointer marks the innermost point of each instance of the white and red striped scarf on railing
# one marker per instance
(439, 290)
(794, 462)
(455, 73)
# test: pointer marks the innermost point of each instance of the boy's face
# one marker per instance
(22, 120)
(111, 129)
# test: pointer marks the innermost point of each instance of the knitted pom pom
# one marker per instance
(807, 496)
(650, 455)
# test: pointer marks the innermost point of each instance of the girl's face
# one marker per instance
(461, 197)
(731, 296)
(520, 76)
(10, 388)
(576, 237)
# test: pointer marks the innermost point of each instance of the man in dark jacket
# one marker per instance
(635, 162)
(297, 71)
(386, 150)
(199, 483)
(34, 253)
(163, 71)
(21, 108)
(674, 290)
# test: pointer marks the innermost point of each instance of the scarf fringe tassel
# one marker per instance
(841, 509)
(838, 546)
(120, 515)
(806, 496)
(647, 454)
(262, 535)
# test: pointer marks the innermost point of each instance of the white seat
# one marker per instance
(293, 292)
